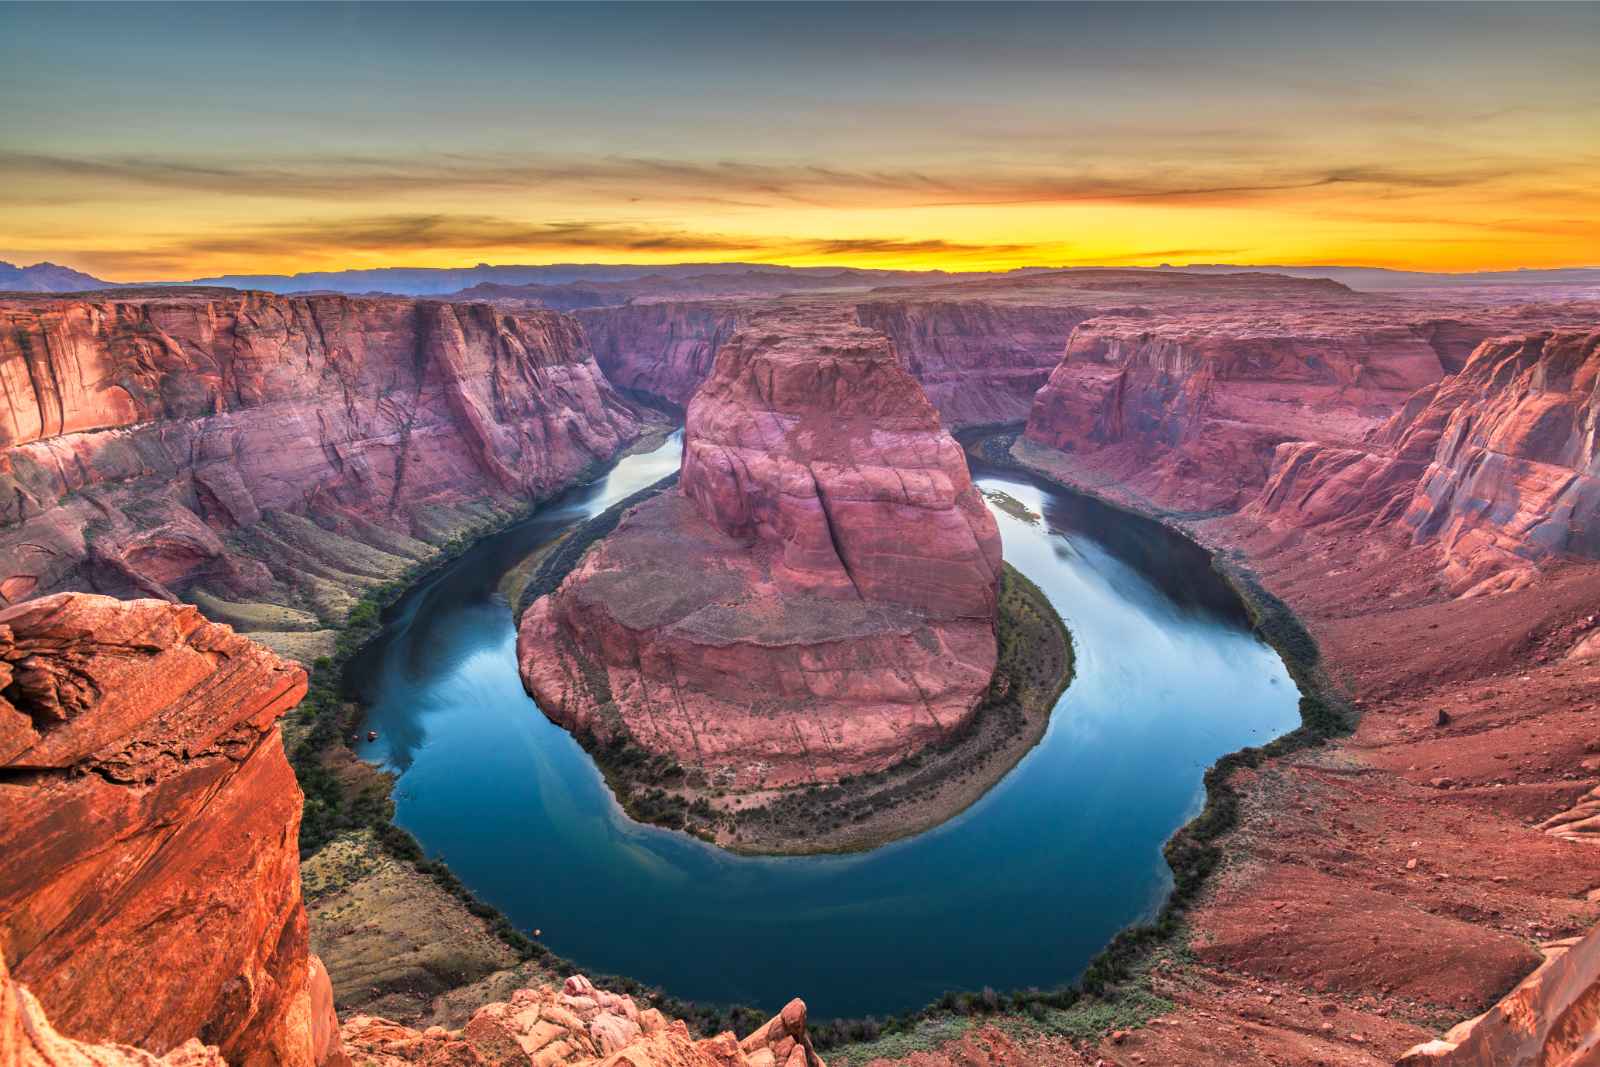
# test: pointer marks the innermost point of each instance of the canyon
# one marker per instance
(814, 600)
(1412, 473)
(274, 458)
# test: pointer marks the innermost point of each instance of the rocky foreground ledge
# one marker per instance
(817, 598)
(150, 906)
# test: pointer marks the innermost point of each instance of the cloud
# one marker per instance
(733, 183)
(396, 236)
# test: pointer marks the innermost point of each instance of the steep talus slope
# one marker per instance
(816, 599)
(260, 452)
(151, 888)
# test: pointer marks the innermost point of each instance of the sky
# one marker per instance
(160, 142)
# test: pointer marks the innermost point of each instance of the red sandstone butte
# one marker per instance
(154, 441)
(816, 599)
(150, 892)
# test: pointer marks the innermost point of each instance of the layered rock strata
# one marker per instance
(265, 452)
(1190, 411)
(663, 350)
(151, 887)
(979, 362)
(1498, 466)
(815, 600)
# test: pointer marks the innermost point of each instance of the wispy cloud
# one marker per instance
(734, 182)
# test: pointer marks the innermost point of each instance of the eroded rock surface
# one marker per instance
(1498, 465)
(979, 361)
(578, 1026)
(150, 892)
(256, 452)
(28, 1040)
(816, 599)
(1551, 1019)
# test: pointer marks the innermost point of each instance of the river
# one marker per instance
(1020, 890)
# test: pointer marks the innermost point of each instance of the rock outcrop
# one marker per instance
(150, 892)
(1498, 465)
(277, 450)
(1552, 1019)
(979, 362)
(815, 600)
(28, 1040)
(664, 350)
(580, 1026)
(1190, 410)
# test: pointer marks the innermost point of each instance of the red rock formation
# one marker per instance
(144, 437)
(1190, 410)
(28, 1040)
(663, 351)
(979, 362)
(150, 892)
(581, 1026)
(1498, 465)
(1552, 1019)
(818, 600)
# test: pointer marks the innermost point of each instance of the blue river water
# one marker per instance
(1020, 890)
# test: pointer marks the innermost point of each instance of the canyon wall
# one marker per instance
(286, 451)
(663, 350)
(1189, 412)
(1498, 465)
(816, 599)
(979, 362)
(148, 817)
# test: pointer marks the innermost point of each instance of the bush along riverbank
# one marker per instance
(1115, 989)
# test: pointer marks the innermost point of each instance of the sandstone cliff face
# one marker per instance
(580, 1026)
(979, 362)
(148, 817)
(816, 600)
(663, 350)
(1498, 465)
(149, 445)
(1552, 1019)
(1191, 410)
(28, 1040)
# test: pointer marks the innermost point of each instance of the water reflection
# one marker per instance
(1020, 890)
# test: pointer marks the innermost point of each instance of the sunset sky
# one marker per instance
(167, 142)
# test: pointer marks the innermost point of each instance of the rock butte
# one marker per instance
(815, 600)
